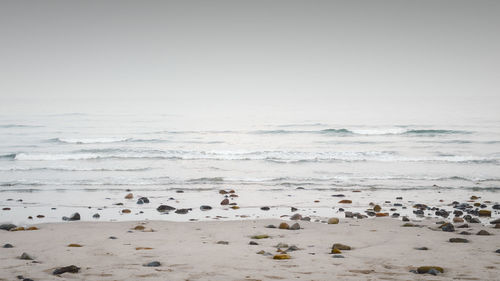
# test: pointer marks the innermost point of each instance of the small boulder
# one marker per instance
(7, 226)
(7, 246)
(333, 220)
(96, 216)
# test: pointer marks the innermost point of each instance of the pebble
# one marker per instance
(338, 256)
(70, 269)
(497, 251)
(129, 196)
(405, 218)
(270, 226)
(152, 264)
(264, 208)
(349, 214)
(284, 225)
(430, 269)
(281, 245)
(491, 222)
(7, 226)
(483, 232)
(25, 256)
(126, 211)
(223, 242)
(465, 233)
(341, 247)
(75, 245)
(458, 219)
(377, 208)
(281, 257)
(422, 248)
(296, 217)
(448, 227)
(253, 243)
(225, 202)
(7, 246)
(484, 213)
(463, 226)
(292, 248)
(182, 211)
(295, 226)
(73, 217)
(164, 208)
(261, 236)
(458, 240)
(96, 216)
(345, 201)
(293, 209)
(112, 237)
(205, 207)
(333, 221)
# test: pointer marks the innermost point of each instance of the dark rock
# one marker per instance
(165, 208)
(305, 219)
(465, 233)
(152, 264)
(73, 217)
(182, 211)
(458, 213)
(143, 200)
(422, 248)
(338, 195)
(448, 227)
(25, 256)
(399, 198)
(6, 246)
(179, 191)
(497, 251)
(27, 279)
(296, 217)
(222, 242)
(338, 256)
(458, 240)
(205, 207)
(483, 232)
(270, 226)
(293, 209)
(96, 216)
(265, 208)
(405, 218)
(253, 243)
(395, 215)
(418, 212)
(349, 214)
(341, 209)
(442, 213)
(430, 269)
(7, 226)
(491, 222)
(112, 237)
(292, 248)
(224, 202)
(463, 226)
(70, 269)
(398, 205)
(370, 213)
(496, 207)
(474, 220)
(295, 226)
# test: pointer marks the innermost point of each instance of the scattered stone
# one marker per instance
(349, 214)
(496, 207)
(261, 236)
(96, 216)
(235, 207)
(284, 225)
(292, 248)
(25, 256)
(333, 221)
(458, 240)
(7, 226)
(405, 218)
(281, 245)
(377, 208)
(382, 214)
(306, 219)
(6, 209)
(395, 215)
(205, 207)
(336, 251)
(179, 191)
(139, 227)
(458, 219)
(338, 256)
(129, 196)
(152, 264)
(70, 269)
(270, 226)
(225, 202)
(223, 242)
(345, 201)
(7, 246)
(182, 211)
(448, 227)
(143, 200)
(341, 247)
(73, 217)
(126, 211)
(491, 222)
(296, 217)
(422, 248)
(253, 243)
(164, 208)
(426, 269)
(463, 226)
(112, 237)
(293, 209)
(223, 192)
(483, 232)
(465, 233)
(73, 245)
(264, 208)
(281, 257)
(40, 216)
(484, 213)
(295, 226)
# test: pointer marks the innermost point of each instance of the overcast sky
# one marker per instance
(174, 54)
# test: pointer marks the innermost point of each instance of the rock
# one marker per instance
(465, 233)
(483, 232)
(261, 236)
(349, 214)
(73, 245)
(292, 248)
(475, 220)
(164, 208)
(284, 225)
(253, 243)
(458, 219)
(345, 201)
(336, 251)
(205, 207)
(458, 240)
(382, 214)
(484, 213)
(422, 248)
(281, 257)
(305, 219)
(341, 247)
(112, 237)
(338, 256)
(179, 191)
(129, 196)
(296, 217)
(333, 221)
(463, 226)
(473, 197)
(405, 218)
(223, 192)
(225, 202)
(139, 227)
(223, 242)
(126, 211)
(96, 216)
(7, 246)
(264, 208)
(426, 269)
(235, 207)
(152, 264)
(395, 215)
(496, 207)
(377, 208)
(293, 209)
(182, 211)
(295, 226)
(143, 200)
(338, 195)
(7, 226)
(491, 222)
(448, 227)
(497, 251)
(281, 245)
(40, 216)
(25, 256)
(74, 217)
(270, 226)
(70, 269)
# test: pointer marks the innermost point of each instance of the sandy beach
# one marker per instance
(381, 249)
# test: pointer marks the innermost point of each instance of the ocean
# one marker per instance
(61, 163)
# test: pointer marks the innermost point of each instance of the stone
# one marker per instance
(73, 245)
(305, 219)
(484, 213)
(112, 237)
(448, 227)
(205, 207)
(465, 233)
(129, 196)
(281, 245)
(405, 218)
(463, 226)
(377, 208)
(458, 219)
(182, 211)
(333, 221)
(341, 247)
(25, 256)
(293, 209)
(338, 256)
(235, 207)
(7, 246)
(483, 232)
(295, 226)
(164, 208)
(270, 226)
(496, 207)
(426, 269)
(281, 257)
(292, 248)
(152, 264)
(7, 226)
(473, 197)
(223, 192)
(349, 214)
(336, 251)
(126, 211)
(253, 243)
(284, 225)
(338, 195)
(296, 217)
(264, 208)
(495, 221)
(225, 202)
(458, 240)
(179, 191)
(261, 236)
(73, 217)
(382, 214)
(422, 248)
(223, 242)
(345, 201)
(497, 251)
(139, 227)
(69, 269)
(142, 200)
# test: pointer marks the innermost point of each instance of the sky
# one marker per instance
(315, 56)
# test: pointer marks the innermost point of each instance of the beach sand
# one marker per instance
(381, 250)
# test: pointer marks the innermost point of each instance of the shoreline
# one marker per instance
(382, 249)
